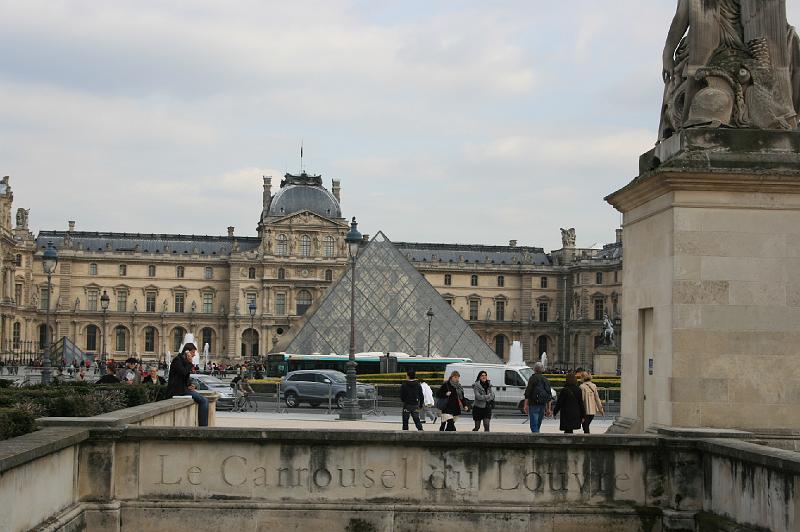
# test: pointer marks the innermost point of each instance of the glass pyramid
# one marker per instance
(392, 299)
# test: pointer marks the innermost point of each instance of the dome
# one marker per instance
(297, 198)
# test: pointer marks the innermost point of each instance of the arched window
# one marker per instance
(251, 273)
(177, 338)
(329, 246)
(91, 337)
(121, 335)
(281, 273)
(151, 270)
(283, 245)
(303, 301)
(329, 275)
(501, 280)
(150, 340)
(473, 281)
(208, 338)
(180, 272)
(305, 246)
(16, 335)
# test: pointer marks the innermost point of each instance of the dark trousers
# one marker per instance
(485, 424)
(449, 426)
(414, 413)
(586, 422)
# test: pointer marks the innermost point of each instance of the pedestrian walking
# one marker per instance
(570, 405)
(428, 403)
(538, 398)
(484, 402)
(450, 401)
(591, 401)
(412, 398)
(180, 381)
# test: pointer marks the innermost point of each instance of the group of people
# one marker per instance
(131, 373)
(577, 404)
(447, 403)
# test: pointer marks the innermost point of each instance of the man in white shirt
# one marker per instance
(428, 408)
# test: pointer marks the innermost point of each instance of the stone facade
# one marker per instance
(163, 285)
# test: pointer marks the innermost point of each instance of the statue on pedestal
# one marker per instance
(568, 237)
(730, 63)
(608, 331)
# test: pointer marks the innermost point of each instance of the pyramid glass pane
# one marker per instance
(392, 299)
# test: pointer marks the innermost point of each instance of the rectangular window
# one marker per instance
(45, 302)
(208, 303)
(616, 276)
(93, 269)
(543, 311)
(180, 300)
(91, 299)
(280, 304)
(121, 340)
(149, 340)
(150, 302)
(501, 280)
(543, 282)
(500, 310)
(448, 279)
(151, 271)
(473, 281)
(209, 272)
(122, 301)
(473, 309)
(18, 261)
(18, 294)
(598, 309)
(599, 276)
(123, 270)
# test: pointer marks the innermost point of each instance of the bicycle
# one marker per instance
(244, 403)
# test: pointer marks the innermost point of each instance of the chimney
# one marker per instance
(336, 188)
(512, 243)
(619, 236)
(230, 231)
(71, 226)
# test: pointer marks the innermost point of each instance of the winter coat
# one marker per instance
(180, 379)
(591, 399)
(482, 395)
(454, 400)
(570, 404)
(411, 394)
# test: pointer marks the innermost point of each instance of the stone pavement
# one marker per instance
(379, 423)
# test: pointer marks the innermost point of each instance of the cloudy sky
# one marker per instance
(447, 121)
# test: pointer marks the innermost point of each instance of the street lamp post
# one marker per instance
(49, 262)
(351, 410)
(429, 314)
(104, 302)
(252, 309)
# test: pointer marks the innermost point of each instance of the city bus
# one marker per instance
(279, 364)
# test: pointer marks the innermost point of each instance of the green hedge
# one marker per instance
(15, 423)
(73, 400)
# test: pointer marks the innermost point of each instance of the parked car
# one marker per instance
(213, 384)
(316, 386)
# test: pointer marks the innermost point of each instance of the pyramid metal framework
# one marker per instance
(392, 299)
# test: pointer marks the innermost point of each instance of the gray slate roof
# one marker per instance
(469, 253)
(147, 243)
(296, 198)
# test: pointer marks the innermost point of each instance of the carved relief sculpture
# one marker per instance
(730, 63)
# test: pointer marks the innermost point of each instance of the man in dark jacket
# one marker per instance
(180, 381)
(412, 398)
(109, 377)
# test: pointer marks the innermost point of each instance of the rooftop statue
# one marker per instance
(730, 63)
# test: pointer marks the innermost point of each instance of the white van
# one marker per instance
(509, 382)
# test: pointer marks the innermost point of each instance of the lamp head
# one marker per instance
(104, 300)
(252, 308)
(50, 259)
(353, 238)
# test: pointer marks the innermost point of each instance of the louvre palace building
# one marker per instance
(157, 287)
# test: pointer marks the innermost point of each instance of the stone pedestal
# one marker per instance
(711, 302)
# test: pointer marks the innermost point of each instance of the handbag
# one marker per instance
(441, 403)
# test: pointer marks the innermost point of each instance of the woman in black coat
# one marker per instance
(452, 394)
(570, 404)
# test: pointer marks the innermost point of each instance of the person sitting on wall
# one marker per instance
(110, 376)
(180, 381)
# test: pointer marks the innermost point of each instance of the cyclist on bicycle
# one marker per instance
(241, 390)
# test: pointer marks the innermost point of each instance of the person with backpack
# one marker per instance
(538, 398)
(570, 404)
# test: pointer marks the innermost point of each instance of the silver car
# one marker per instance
(209, 383)
(316, 386)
